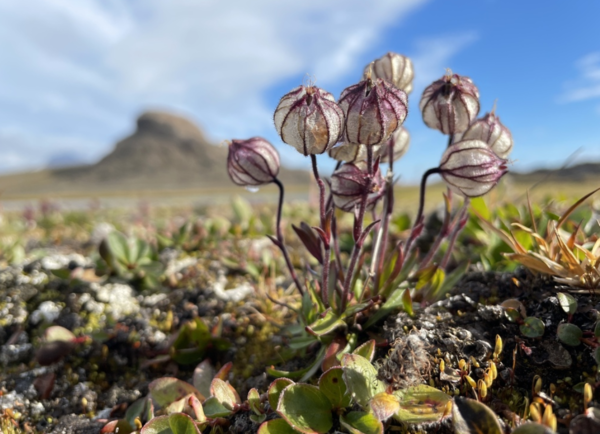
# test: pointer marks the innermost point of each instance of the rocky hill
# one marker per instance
(166, 152)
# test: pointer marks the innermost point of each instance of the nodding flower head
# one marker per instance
(351, 153)
(351, 182)
(450, 104)
(309, 119)
(252, 162)
(490, 130)
(374, 109)
(394, 68)
(471, 168)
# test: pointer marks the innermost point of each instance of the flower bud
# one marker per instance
(450, 104)
(351, 182)
(351, 153)
(394, 68)
(252, 162)
(374, 109)
(309, 119)
(399, 143)
(490, 130)
(471, 168)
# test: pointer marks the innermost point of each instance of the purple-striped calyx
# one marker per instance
(374, 109)
(471, 168)
(351, 182)
(399, 142)
(309, 119)
(450, 104)
(252, 162)
(490, 130)
(394, 68)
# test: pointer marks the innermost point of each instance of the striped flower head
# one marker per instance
(252, 162)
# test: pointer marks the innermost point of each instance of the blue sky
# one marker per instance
(74, 74)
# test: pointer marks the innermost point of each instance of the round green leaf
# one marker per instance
(275, 390)
(358, 422)
(384, 405)
(276, 426)
(305, 408)
(567, 302)
(213, 408)
(569, 333)
(224, 393)
(533, 428)
(332, 385)
(367, 350)
(167, 390)
(178, 423)
(532, 327)
(361, 379)
(473, 417)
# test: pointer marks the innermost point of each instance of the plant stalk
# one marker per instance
(327, 247)
(281, 244)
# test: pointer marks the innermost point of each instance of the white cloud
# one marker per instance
(587, 85)
(83, 69)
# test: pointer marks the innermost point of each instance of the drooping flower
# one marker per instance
(252, 162)
(471, 168)
(399, 142)
(374, 109)
(450, 104)
(351, 182)
(490, 130)
(309, 119)
(395, 68)
(351, 153)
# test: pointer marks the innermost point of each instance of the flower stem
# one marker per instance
(323, 217)
(281, 244)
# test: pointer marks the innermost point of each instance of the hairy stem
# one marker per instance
(281, 244)
(322, 214)
(455, 232)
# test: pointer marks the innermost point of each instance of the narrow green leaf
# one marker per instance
(325, 324)
(213, 408)
(359, 422)
(366, 350)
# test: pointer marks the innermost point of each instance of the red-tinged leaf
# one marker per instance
(330, 360)
(225, 393)
(323, 236)
(167, 390)
(196, 406)
(366, 231)
(51, 352)
(223, 373)
(331, 383)
(44, 384)
(203, 376)
(310, 241)
(275, 389)
(274, 240)
(276, 426)
(366, 350)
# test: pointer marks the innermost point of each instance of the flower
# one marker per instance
(351, 182)
(395, 68)
(252, 162)
(399, 142)
(471, 168)
(450, 104)
(374, 109)
(309, 119)
(351, 153)
(490, 130)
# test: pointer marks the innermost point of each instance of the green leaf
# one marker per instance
(225, 393)
(213, 408)
(167, 390)
(473, 417)
(203, 375)
(58, 333)
(242, 211)
(392, 304)
(569, 333)
(361, 379)
(275, 389)
(597, 329)
(567, 302)
(305, 408)
(325, 324)
(366, 350)
(420, 404)
(478, 204)
(302, 373)
(254, 401)
(117, 244)
(331, 383)
(452, 279)
(276, 426)
(177, 423)
(137, 409)
(532, 327)
(353, 310)
(359, 422)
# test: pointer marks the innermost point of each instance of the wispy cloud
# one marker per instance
(84, 69)
(587, 85)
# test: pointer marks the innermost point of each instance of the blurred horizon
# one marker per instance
(76, 74)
